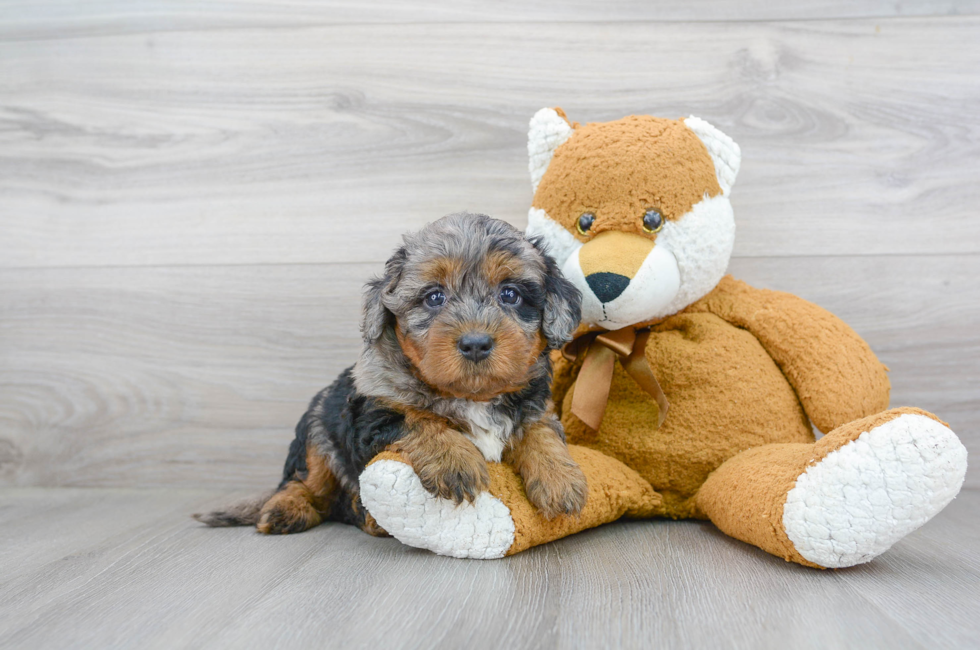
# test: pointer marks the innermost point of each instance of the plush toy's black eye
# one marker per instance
(585, 222)
(652, 221)
(435, 298)
(510, 296)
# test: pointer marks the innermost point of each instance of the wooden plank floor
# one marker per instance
(106, 568)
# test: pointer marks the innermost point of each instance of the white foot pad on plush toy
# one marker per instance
(393, 494)
(862, 498)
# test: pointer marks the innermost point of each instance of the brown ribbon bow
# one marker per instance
(595, 378)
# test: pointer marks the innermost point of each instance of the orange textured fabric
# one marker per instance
(726, 394)
(602, 166)
(745, 496)
(741, 367)
(615, 491)
(835, 374)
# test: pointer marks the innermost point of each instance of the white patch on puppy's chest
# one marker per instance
(488, 434)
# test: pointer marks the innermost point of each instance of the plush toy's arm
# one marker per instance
(501, 521)
(835, 374)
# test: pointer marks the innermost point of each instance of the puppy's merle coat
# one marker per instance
(455, 372)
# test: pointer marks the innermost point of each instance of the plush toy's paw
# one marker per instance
(561, 491)
(860, 499)
(392, 492)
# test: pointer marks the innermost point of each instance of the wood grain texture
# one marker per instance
(195, 376)
(96, 568)
(313, 144)
(59, 19)
(192, 194)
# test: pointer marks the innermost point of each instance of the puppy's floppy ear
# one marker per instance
(375, 317)
(563, 302)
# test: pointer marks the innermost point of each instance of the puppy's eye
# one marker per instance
(653, 221)
(585, 222)
(435, 298)
(510, 296)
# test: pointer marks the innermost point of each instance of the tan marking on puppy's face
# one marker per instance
(500, 266)
(493, 270)
(473, 305)
(444, 272)
(619, 170)
(438, 360)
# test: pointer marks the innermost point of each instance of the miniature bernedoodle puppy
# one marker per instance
(454, 373)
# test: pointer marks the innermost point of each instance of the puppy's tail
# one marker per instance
(244, 512)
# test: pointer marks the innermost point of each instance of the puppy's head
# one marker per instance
(472, 304)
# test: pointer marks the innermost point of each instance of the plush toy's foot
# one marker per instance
(393, 494)
(501, 521)
(844, 500)
(856, 502)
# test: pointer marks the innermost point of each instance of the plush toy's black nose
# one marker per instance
(607, 286)
(475, 346)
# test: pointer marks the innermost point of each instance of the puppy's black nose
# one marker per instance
(607, 286)
(475, 346)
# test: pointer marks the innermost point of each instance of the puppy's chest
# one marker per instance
(488, 430)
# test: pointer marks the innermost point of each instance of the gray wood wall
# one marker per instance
(192, 194)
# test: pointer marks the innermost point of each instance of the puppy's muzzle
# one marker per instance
(475, 346)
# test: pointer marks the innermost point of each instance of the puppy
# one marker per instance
(455, 372)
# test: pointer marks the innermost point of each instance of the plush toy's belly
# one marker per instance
(726, 394)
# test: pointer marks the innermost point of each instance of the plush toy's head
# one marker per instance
(635, 211)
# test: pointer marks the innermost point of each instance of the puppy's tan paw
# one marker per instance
(287, 512)
(457, 474)
(448, 465)
(372, 527)
(559, 490)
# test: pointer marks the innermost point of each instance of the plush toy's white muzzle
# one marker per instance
(650, 290)
(689, 257)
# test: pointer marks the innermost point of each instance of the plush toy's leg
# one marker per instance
(502, 521)
(845, 499)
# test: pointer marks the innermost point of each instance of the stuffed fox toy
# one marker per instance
(687, 393)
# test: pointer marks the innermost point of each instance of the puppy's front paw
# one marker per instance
(558, 490)
(455, 474)
(448, 465)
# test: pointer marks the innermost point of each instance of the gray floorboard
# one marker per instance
(101, 568)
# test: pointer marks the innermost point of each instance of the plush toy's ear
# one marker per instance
(548, 130)
(722, 149)
(375, 317)
(563, 302)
